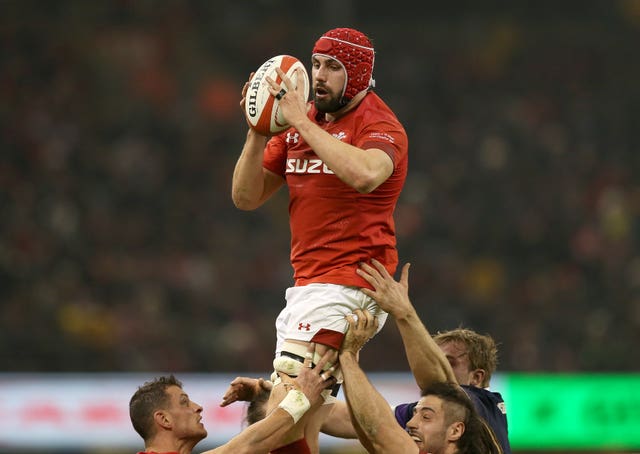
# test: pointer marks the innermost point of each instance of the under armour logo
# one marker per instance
(292, 137)
(306, 326)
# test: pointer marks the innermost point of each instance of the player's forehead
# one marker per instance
(176, 393)
(453, 347)
(429, 404)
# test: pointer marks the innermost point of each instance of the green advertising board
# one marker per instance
(572, 412)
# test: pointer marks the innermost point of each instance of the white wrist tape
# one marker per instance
(296, 404)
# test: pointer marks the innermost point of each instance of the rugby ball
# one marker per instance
(261, 107)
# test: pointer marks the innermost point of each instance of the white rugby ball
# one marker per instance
(261, 107)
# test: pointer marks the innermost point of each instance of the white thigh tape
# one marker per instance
(291, 366)
(287, 365)
(299, 350)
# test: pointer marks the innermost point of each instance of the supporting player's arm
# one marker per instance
(372, 417)
(427, 361)
(286, 422)
(336, 424)
(263, 435)
(245, 389)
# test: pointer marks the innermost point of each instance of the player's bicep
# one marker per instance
(380, 166)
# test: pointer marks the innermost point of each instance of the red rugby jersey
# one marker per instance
(333, 226)
(297, 447)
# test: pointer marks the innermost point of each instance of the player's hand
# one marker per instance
(392, 296)
(293, 104)
(243, 101)
(245, 88)
(313, 380)
(245, 389)
(362, 327)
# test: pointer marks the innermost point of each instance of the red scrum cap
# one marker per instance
(355, 52)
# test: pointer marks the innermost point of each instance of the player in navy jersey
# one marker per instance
(488, 404)
(444, 421)
(463, 353)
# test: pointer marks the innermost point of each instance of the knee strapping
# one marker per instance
(292, 357)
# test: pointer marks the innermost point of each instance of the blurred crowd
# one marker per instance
(120, 248)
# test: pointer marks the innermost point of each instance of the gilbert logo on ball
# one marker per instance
(262, 108)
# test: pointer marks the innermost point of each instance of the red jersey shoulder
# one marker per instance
(378, 121)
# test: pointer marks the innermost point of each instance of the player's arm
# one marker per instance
(363, 170)
(285, 423)
(261, 436)
(338, 422)
(252, 184)
(245, 389)
(427, 361)
(372, 416)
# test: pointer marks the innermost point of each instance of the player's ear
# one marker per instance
(477, 378)
(455, 431)
(162, 419)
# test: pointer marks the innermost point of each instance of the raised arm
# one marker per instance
(427, 361)
(280, 426)
(252, 184)
(372, 416)
(245, 389)
(336, 424)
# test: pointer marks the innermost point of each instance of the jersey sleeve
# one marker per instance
(297, 447)
(275, 155)
(386, 135)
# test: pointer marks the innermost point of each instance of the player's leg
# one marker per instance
(317, 313)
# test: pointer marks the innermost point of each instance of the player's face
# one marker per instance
(328, 78)
(185, 415)
(458, 356)
(427, 427)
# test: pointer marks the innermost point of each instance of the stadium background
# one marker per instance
(120, 248)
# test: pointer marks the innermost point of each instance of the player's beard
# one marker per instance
(328, 104)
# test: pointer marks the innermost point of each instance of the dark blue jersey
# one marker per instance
(489, 405)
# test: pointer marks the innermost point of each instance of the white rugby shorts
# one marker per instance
(314, 307)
